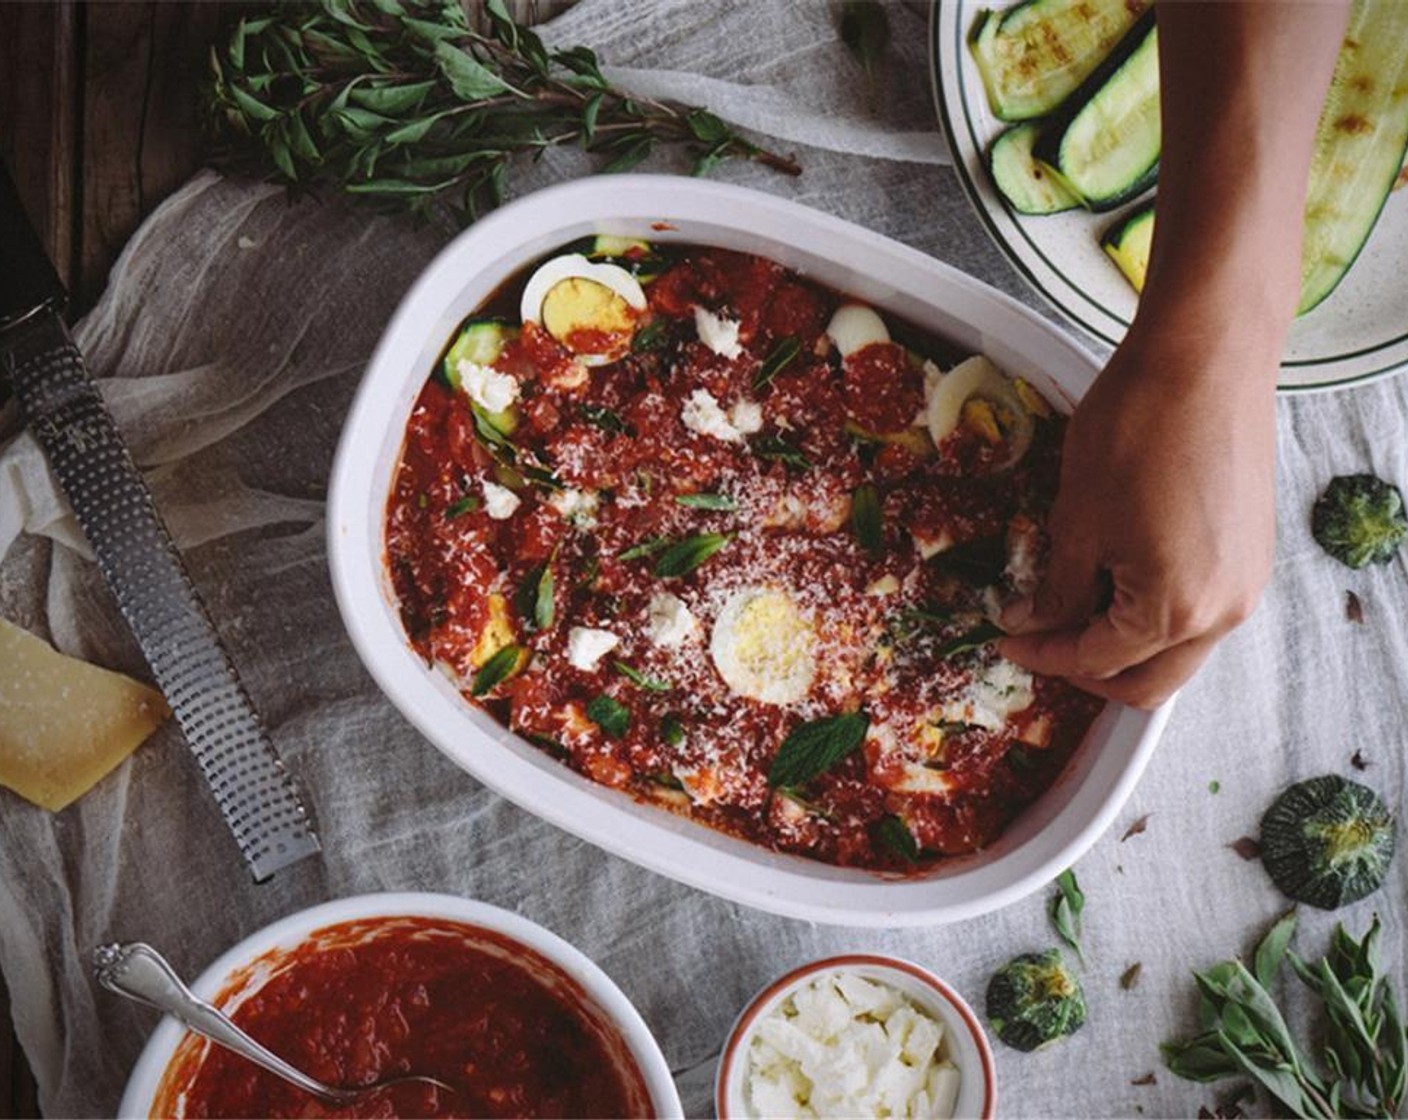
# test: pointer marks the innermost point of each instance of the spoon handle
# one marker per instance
(139, 972)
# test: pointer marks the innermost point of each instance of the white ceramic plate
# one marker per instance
(1049, 837)
(1359, 333)
(293, 930)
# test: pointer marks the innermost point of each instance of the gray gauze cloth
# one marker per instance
(230, 340)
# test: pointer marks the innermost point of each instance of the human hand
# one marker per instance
(1163, 528)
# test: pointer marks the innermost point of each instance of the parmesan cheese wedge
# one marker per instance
(64, 723)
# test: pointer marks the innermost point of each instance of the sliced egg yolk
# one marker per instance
(591, 308)
(764, 647)
(979, 395)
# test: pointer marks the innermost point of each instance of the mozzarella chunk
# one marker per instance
(854, 327)
(717, 333)
(668, 621)
(487, 387)
(702, 414)
(499, 501)
(577, 506)
(746, 416)
(996, 693)
(586, 646)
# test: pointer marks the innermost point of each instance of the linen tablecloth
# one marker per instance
(232, 335)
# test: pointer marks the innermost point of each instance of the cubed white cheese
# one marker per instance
(717, 333)
(701, 413)
(746, 416)
(499, 501)
(577, 506)
(487, 387)
(586, 646)
(668, 620)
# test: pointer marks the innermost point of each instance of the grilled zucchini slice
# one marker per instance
(1033, 56)
(1027, 185)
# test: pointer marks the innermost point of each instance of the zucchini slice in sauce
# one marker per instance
(1032, 56)
(1026, 184)
(1104, 142)
(1127, 243)
(480, 341)
(1360, 145)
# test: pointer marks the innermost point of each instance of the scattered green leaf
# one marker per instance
(613, 717)
(775, 447)
(1065, 911)
(636, 677)
(894, 836)
(682, 557)
(816, 746)
(778, 359)
(672, 730)
(721, 502)
(497, 669)
(985, 633)
(647, 547)
(866, 519)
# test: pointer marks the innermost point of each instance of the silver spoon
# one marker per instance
(140, 973)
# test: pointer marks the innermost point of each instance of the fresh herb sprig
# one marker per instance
(1365, 1050)
(405, 101)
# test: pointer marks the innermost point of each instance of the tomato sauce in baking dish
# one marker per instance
(718, 536)
(507, 1030)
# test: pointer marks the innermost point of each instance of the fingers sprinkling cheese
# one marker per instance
(763, 646)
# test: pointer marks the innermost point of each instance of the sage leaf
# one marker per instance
(775, 447)
(461, 507)
(684, 556)
(672, 730)
(604, 418)
(1266, 962)
(497, 669)
(866, 519)
(469, 78)
(816, 746)
(777, 360)
(1066, 909)
(985, 633)
(649, 337)
(720, 502)
(636, 677)
(613, 717)
(647, 547)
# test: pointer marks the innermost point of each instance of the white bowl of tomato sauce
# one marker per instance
(512, 1017)
(962, 315)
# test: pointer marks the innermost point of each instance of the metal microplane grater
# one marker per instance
(137, 557)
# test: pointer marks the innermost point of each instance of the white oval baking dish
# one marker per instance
(1047, 838)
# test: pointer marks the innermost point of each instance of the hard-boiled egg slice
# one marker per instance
(854, 327)
(764, 647)
(590, 307)
(974, 382)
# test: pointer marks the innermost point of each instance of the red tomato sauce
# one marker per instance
(657, 719)
(508, 1030)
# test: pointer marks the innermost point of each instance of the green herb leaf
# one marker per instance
(461, 507)
(649, 337)
(613, 717)
(707, 501)
(534, 598)
(865, 29)
(672, 730)
(646, 548)
(707, 127)
(603, 418)
(497, 669)
(468, 77)
(775, 447)
(814, 747)
(866, 519)
(684, 556)
(894, 836)
(1066, 908)
(777, 360)
(985, 633)
(636, 677)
